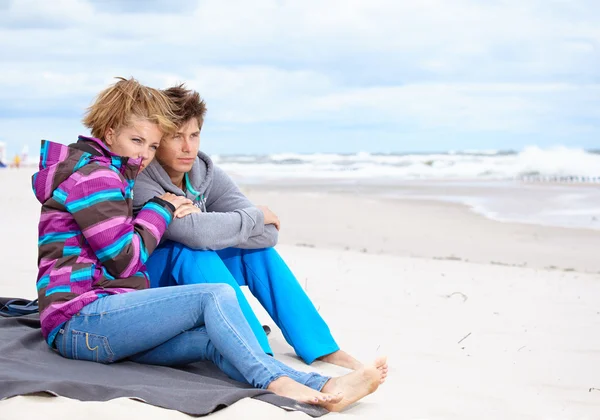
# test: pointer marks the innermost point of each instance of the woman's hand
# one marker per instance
(176, 200)
(186, 209)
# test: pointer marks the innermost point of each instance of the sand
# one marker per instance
(312, 216)
(480, 319)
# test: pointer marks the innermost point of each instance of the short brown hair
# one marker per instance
(187, 104)
(126, 99)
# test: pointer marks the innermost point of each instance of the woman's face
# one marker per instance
(138, 140)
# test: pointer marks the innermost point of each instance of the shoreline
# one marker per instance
(431, 229)
(572, 206)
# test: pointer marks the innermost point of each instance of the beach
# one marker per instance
(480, 318)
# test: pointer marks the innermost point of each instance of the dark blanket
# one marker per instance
(28, 366)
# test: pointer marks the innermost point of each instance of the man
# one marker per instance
(226, 239)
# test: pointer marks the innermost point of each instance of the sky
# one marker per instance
(337, 76)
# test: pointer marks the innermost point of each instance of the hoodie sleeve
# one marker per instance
(122, 243)
(231, 220)
(144, 190)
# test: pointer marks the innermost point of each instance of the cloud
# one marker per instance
(518, 67)
(146, 6)
(32, 14)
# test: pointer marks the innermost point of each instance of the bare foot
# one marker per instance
(343, 359)
(287, 387)
(381, 365)
(355, 385)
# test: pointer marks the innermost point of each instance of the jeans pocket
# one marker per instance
(92, 347)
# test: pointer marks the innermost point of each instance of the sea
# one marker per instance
(557, 186)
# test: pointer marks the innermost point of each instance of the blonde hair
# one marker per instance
(115, 107)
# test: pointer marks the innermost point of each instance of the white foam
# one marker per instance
(532, 162)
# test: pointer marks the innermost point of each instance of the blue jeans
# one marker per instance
(269, 279)
(175, 326)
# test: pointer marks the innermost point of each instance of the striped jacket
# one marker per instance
(90, 245)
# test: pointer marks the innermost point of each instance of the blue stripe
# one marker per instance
(69, 251)
(113, 250)
(90, 200)
(60, 196)
(160, 210)
(53, 333)
(56, 237)
(81, 275)
(129, 188)
(107, 274)
(116, 162)
(144, 253)
(82, 161)
(58, 289)
(44, 153)
(33, 182)
(189, 187)
(43, 282)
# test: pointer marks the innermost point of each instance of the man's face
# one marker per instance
(177, 153)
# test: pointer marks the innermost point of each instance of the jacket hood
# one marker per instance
(198, 180)
(58, 162)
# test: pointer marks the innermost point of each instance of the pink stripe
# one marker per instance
(49, 179)
(53, 215)
(105, 173)
(63, 270)
(151, 227)
(45, 263)
(104, 226)
(64, 151)
(135, 262)
(58, 306)
(76, 176)
(82, 259)
(43, 272)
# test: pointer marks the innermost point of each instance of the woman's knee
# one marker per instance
(222, 291)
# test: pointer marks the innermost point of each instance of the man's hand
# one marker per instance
(270, 217)
(186, 209)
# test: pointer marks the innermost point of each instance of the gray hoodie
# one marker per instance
(228, 218)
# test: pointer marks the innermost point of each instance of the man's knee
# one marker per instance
(196, 254)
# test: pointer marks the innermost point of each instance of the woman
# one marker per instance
(92, 286)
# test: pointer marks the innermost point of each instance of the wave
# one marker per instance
(558, 163)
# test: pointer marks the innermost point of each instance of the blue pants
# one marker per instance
(269, 279)
(175, 326)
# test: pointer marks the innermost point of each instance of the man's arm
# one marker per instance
(267, 240)
(223, 226)
(225, 196)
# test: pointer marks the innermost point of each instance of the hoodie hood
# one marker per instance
(58, 162)
(198, 180)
